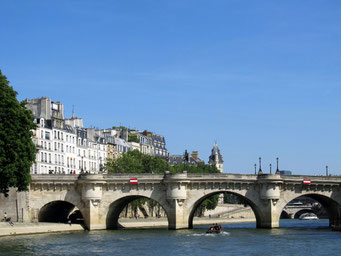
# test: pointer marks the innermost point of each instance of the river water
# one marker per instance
(295, 237)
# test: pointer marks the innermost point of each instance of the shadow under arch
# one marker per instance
(285, 215)
(247, 200)
(331, 206)
(59, 212)
(117, 207)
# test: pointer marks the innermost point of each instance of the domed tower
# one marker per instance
(216, 158)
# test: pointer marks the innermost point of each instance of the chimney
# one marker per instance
(195, 154)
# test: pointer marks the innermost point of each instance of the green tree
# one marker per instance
(208, 204)
(136, 162)
(17, 151)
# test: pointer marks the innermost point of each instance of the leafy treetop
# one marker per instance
(17, 151)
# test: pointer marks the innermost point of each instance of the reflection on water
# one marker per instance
(294, 237)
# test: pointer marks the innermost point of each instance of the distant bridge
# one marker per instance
(295, 211)
(101, 198)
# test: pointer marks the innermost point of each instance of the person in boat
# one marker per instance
(218, 227)
(215, 228)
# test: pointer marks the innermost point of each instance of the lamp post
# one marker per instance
(326, 170)
(255, 169)
(270, 169)
(260, 166)
(277, 170)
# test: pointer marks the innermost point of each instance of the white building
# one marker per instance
(62, 144)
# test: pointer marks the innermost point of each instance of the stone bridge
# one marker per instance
(101, 198)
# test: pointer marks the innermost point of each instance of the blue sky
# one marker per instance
(260, 77)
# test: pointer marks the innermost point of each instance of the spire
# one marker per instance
(216, 158)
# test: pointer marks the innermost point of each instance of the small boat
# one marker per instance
(308, 216)
(214, 229)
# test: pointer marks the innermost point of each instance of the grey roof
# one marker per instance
(180, 159)
(69, 128)
(122, 142)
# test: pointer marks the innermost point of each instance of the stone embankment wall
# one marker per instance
(230, 211)
(15, 205)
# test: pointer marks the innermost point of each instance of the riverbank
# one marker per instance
(33, 228)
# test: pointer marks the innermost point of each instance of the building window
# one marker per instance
(42, 157)
(47, 135)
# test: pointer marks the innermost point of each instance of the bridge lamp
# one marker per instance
(326, 170)
(277, 170)
(255, 169)
(260, 166)
(270, 168)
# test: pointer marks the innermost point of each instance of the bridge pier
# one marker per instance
(91, 197)
(177, 217)
(91, 217)
(269, 195)
(176, 197)
(268, 217)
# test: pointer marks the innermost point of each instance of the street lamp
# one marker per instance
(255, 169)
(326, 170)
(270, 168)
(277, 170)
(260, 166)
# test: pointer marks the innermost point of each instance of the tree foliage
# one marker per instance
(135, 162)
(133, 138)
(17, 151)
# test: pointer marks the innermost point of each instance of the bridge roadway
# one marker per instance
(101, 198)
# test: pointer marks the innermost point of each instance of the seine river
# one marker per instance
(293, 238)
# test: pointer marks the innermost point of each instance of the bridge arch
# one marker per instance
(331, 204)
(198, 202)
(116, 207)
(59, 211)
